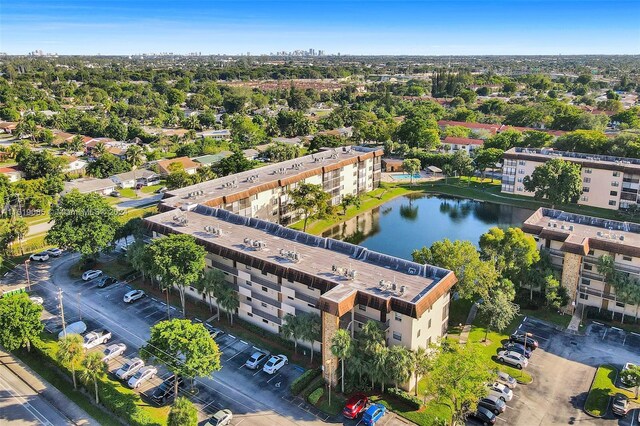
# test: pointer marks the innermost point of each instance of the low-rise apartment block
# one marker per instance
(263, 192)
(575, 243)
(278, 271)
(607, 182)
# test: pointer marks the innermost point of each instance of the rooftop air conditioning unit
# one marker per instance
(403, 288)
(621, 237)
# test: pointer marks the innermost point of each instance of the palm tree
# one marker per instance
(292, 329)
(211, 285)
(99, 149)
(227, 299)
(398, 364)
(76, 144)
(341, 347)
(370, 335)
(358, 364)
(311, 329)
(94, 369)
(70, 354)
(135, 157)
(18, 229)
(378, 364)
(421, 360)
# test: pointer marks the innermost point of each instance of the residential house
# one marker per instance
(220, 135)
(74, 165)
(90, 185)
(13, 173)
(454, 144)
(8, 126)
(212, 159)
(133, 178)
(189, 166)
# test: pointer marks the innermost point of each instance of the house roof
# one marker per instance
(212, 158)
(496, 128)
(86, 185)
(187, 163)
(462, 141)
(288, 141)
(138, 174)
(8, 125)
(10, 169)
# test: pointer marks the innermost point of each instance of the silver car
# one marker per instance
(113, 351)
(141, 376)
(129, 368)
(514, 358)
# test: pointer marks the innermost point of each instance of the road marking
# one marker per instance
(242, 420)
(152, 313)
(229, 359)
(274, 376)
(240, 366)
(259, 371)
(605, 333)
(498, 418)
(278, 384)
(25, 403)
(231, 335)
(616, 328)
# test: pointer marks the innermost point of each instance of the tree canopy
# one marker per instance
(557, 180)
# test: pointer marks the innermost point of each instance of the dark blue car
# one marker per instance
(374, 413)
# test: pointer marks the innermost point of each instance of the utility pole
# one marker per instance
(26, 268)
(79, 311)
(64, 326)
(168, 306)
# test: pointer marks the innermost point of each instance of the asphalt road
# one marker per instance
(22, 405)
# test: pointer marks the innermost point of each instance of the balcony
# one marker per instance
(358, 317)
(265, 315)
(261, 281)
(264, 298)
(223, 267)
(306, 298)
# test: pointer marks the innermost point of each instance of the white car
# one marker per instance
(39, 257)
(141, 376)
(506, 380)
(129, 368)
(113, 351)
(96, 337)
(275, 363)
(37, 300)
(55, 252)
(514, 358)
(77, 327)
(91, 274)
(501, 391)
(220, 418)
(132, 296)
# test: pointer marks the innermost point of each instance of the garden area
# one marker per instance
(602, 389)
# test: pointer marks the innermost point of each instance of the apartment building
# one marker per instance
(575, 243)
(608, 182)
(263, 193)
(278, 271)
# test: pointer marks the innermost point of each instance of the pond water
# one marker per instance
(416, 220)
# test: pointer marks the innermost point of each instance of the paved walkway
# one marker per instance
(576, 319)
(464, 335)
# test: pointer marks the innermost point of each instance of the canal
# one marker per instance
(415, 220)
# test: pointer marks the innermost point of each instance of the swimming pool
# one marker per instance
(403, 176)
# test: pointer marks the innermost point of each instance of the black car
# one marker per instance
(106, 281)
(484, 416)
(165, 391)
(524, 339)
(493, 403)
(517, 347)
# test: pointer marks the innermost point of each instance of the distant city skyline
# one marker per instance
(357, 27)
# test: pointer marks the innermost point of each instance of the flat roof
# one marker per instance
(267, 177)
(581, 233)
(587, 160)
(378, 275)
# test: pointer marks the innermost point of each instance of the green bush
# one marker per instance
(299, 384)
(315, 384)
(316, 395)
(405, 397)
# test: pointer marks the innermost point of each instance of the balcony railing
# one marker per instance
(266, 315)
(266, 299)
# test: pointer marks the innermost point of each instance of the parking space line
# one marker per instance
(241, 365)
(229, 359)
(498, 418)
(605, 333)
(259, 371)
(273, 377)
(152, 313)
(242, 420)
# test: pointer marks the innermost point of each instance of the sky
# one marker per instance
(373, 27)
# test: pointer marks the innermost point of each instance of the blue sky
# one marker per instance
(454, 27)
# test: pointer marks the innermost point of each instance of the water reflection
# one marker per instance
(406, 223)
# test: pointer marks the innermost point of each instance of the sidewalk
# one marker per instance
(53, 396)
(464, 335)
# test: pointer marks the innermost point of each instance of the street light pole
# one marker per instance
(26, 268)
(330, 362)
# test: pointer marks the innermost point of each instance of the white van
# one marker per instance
(78, 327)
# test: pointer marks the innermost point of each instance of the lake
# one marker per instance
(415, 220)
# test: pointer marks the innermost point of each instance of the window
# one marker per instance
(591, 252)
(249, 314)
(627, 258)
(620, 304)
(616, 174)
(612, 202)
(290, 298)
(264, 305)
(584, 296)
(265, 321)
(247, 267)
(264, 272)
(248, 283)
(311, 305)
(613, 193)
(429, 325)
(585, 189)
(265, 289)
(586, 180)
(362, 307)
(616, 184)
(522, 163)
(520, 180)
(520, 189)
(587, 267)
(584, 198)
(521, 171)
(249, 299)
(397, 336)
(586, 281)
(398, 317)
(290, 280)
(588, 171)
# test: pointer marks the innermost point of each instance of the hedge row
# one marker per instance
(411, 400)
(299, 384)
(316, 395)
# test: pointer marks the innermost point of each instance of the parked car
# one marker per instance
(501, 391)
(493, 403)
(517, 347)
(624, 377)
(214, 332)
(374, 413)
(112, 351)
(166, 389)
(115, 193)
(139, 185)
(106, 281)
(54, 252)
(355, 405)
(275, 363)
(129, 368)
(39, 257)
(256, 360)
(484, 416)
(96, 337)
(524, 339)
(513, 358)
(77, 327)
(506, 380)
(620, 406)
(132, 296)
(220, 418)
(37, 300)
(91, 274)
(141, 376)
(161, 190)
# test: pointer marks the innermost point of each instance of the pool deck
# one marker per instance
(424, 177)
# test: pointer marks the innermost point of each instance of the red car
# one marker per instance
(355, 405)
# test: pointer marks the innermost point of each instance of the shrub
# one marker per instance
(299, 384)
(315, 384)
(413, 401)
(316, 395)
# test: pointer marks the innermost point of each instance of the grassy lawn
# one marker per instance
(118, 268)
(336, 406)
(602, 389)
(128, 193)
(458, 313)
(151, 188)
(547, 315)
(426, 415)
(139, 212)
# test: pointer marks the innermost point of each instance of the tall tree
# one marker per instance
(292, 329)
(411, 166)
(399, 364)
(342, 347)
(310, 200)
(85, 223)
(511, 251)
(379, 364)
(135, 157)
(421, 362)
(487, 158)
(227, 299)
(349, 200)
(185, 348)
(311, 329)
(182, 413)
(94, 369)
(498, 312)
(177, 260)
(210, 285)
(70, 354)
(19, 321)
(557, 180)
